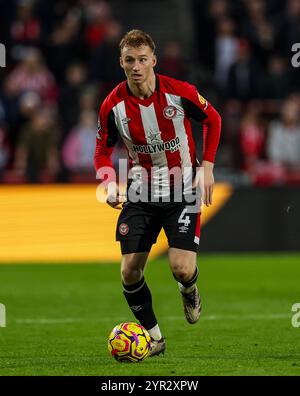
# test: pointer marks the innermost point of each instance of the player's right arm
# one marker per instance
(106, 138)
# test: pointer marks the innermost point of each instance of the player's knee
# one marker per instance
(130, 276)
(182, 272)
(182, 264)
(182, 276)
(131, 269)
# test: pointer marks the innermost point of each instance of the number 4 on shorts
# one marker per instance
(183, 218)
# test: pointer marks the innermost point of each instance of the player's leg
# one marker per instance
(137, 231)
(182, 227)
(139, 298)
(183, 264)
(137, 293)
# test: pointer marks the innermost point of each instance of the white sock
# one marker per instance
(186, 289)
(155, 333)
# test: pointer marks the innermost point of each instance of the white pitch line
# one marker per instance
(49, 321)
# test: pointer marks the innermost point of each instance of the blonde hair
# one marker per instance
(135, 38)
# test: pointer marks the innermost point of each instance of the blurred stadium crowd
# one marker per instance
(63, 58)
(247, 46)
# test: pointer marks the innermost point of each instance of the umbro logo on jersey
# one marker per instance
(126, 120)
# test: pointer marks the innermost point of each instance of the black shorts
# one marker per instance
(140, 223)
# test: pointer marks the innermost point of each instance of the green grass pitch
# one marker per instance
(59, 318)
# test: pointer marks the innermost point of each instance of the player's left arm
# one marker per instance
(211, 137)
(201, 110)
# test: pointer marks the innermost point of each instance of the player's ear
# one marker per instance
(121, 62)
(154, 60)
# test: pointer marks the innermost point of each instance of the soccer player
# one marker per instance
(151, 113)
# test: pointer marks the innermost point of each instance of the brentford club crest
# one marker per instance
(170, 112)
(123, 228)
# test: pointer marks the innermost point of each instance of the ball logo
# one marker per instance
(170, 112)
(124, 229)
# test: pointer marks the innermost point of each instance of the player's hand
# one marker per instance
(115, 199)
(208, 183)
(117, 203)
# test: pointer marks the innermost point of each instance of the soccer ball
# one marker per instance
(129, 342)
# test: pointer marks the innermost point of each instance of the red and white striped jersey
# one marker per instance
(157, 130)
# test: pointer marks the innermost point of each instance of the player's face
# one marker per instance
(138, 63)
